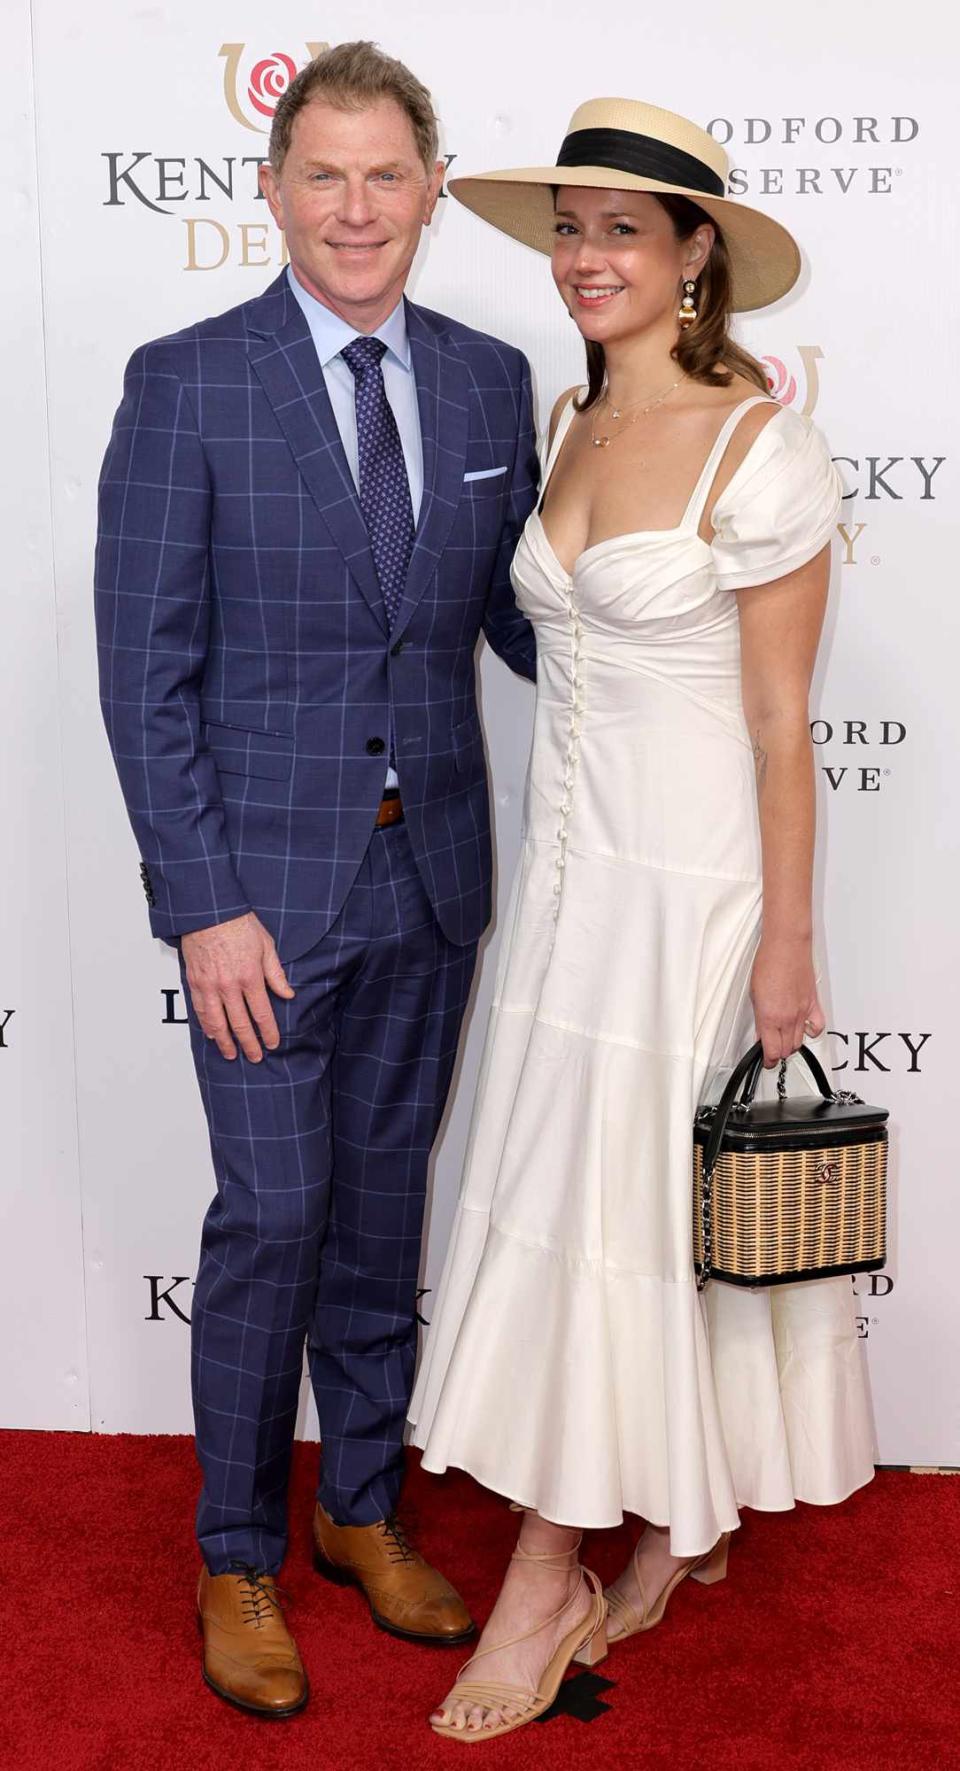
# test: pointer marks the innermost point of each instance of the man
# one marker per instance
(308, 511)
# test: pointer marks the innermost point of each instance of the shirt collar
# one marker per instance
(330, 333)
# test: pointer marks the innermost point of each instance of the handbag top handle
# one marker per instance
(747, 1073)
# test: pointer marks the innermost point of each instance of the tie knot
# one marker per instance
(363, 354)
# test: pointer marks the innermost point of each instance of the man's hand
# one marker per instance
(228, 970)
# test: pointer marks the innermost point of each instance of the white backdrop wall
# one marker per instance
(136, 208)
(44, 1371)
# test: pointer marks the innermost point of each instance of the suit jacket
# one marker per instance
(249, 683)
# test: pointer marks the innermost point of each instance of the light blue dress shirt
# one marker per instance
(330, 334)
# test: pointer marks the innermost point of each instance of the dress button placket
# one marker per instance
(572, 754)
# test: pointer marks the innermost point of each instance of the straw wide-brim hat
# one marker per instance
(618, 144)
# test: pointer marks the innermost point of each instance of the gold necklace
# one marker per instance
(618, 411)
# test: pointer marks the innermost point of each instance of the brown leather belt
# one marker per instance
(391, 809)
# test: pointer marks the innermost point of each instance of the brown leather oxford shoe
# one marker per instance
(249, 1655)
(406, 1596)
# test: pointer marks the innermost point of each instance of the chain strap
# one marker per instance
(706, 1219)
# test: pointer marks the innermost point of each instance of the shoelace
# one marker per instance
(261, 1595)
(401, 1550)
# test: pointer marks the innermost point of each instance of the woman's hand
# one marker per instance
(783, 990)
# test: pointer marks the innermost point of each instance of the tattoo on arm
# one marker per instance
(760, 762)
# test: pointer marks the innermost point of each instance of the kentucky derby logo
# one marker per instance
(798, 385)
(252, 91)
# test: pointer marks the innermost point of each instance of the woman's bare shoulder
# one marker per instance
(721, 401)
(725, 401)
(740, 442)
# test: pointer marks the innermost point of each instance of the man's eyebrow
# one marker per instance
(331, 166)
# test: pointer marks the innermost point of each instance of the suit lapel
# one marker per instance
(443, 386)
(284, 359)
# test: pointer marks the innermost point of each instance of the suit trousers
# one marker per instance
(320, 1154)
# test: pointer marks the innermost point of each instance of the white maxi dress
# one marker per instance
(571, 1363)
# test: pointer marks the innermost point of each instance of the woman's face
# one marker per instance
(617, 262)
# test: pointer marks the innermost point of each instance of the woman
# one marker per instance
(676, 573)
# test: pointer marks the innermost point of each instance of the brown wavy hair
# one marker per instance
(704, 351)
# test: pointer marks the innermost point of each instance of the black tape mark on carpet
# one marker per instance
(580, 1698)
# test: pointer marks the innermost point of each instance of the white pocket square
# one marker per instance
(484, 473)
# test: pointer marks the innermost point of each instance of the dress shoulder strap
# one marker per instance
(563, 426)
(698, 496)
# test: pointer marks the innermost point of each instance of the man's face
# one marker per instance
(352, 198)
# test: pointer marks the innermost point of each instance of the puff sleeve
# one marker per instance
(780, 507)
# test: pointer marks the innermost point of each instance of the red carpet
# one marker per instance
(835, 1640)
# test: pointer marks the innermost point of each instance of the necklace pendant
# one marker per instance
(616, 412)
(601, 442)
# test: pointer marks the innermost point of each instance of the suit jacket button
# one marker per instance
(397, 649)
(375, 747)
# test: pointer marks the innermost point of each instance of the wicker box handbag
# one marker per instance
(788, 1189)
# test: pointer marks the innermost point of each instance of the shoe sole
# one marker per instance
(342, 1577)
(252, 1709)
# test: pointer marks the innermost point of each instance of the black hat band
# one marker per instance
(623, 150)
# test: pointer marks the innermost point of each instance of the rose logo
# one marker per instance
(262, 87)
(782, 385)
(799, 386)
(268, 82)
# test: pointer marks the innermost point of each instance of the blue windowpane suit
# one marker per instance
(252, 690)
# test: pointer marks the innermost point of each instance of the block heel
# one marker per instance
(595, 1649)
(628, 1620)
(714, 1568)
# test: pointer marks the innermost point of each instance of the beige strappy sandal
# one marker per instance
(587, 1643)
(630, 1622)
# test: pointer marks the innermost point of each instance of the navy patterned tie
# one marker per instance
(384, 487)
